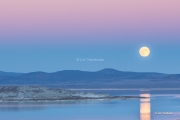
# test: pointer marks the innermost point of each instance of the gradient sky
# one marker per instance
(48, 35)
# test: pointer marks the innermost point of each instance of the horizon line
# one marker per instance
(86, 71)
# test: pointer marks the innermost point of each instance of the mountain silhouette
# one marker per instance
(106, 78)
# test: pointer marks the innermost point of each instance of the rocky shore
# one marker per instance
(43, 94)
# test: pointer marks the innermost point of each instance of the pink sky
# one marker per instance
(89, 17)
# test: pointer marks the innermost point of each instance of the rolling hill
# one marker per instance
(106, 78)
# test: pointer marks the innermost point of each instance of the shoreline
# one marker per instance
(43, 94)
(71, 99)
(141, 89)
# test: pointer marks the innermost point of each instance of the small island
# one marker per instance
(45, 94)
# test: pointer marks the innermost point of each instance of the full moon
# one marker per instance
(144, 51)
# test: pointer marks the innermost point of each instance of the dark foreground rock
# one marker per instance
(36, 93)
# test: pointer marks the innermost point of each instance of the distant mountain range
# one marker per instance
(106, 78)
(10, 74)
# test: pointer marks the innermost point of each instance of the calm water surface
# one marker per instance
(160, 103)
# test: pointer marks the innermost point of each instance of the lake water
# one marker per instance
(162, 105)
